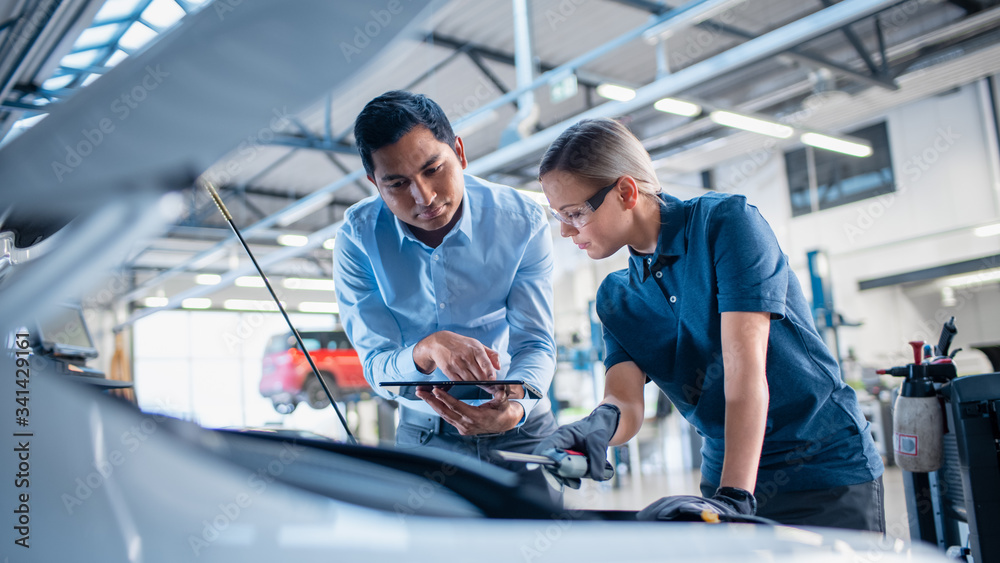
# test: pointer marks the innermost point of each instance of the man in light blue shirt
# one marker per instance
(446, 276)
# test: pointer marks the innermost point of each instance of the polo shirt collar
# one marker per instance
(670, 242)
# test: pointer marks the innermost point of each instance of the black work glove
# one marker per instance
(741, 500)
(589, 436)
(728, 504)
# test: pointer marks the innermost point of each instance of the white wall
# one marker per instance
(945, 161)
(205, 366)
(944, 158)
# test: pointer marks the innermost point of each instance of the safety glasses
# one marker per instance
(580, 215)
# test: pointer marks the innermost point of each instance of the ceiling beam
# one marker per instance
(875, 79)
(739, 57)
(799, 54)
(484, 52)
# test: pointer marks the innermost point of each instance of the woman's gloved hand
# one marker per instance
(589, 436)
(728, 503)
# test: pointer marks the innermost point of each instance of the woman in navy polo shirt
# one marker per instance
(710, 312)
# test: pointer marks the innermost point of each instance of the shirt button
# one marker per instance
(673, 299)
(659, 274)
(436, 257)
(441, 305)
(649, 260)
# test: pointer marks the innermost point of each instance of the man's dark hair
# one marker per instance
(388, 117)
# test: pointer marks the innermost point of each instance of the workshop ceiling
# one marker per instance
(827, 84)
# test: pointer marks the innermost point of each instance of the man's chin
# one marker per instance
(596, 253)
(433, 223)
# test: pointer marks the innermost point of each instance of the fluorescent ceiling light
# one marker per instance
(250, 305)
(116, 57)
(163, 13)
(836, 145)
(58, 82)
(293, 240)
(207, 279)
(988, 231)
(138, 34)
(329, 243)
(615, 92)
(309, 284)
(677, 107)
(155, 301)
(751, 124)
(250, 281)
(318, 307)
(196, 303)
(979, 278)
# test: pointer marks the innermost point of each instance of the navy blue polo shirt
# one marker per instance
(716, 253)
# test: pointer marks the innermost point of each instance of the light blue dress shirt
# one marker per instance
(489, 279)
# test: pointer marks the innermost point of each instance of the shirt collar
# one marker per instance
(464, 225)
(670, 242)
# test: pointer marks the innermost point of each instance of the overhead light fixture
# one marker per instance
(615, 92)
(329, 243)
(677, 107)
(752, 124)
(155, 301)
(978, 278)
(318, 307)
(249, 281)
(196, 303)
(207, 279)
(948, 296)
(988, 231)
(250, 305)
(834, 144)
(309, 284)
(293, 240)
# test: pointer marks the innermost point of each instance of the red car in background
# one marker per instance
(287, 379)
